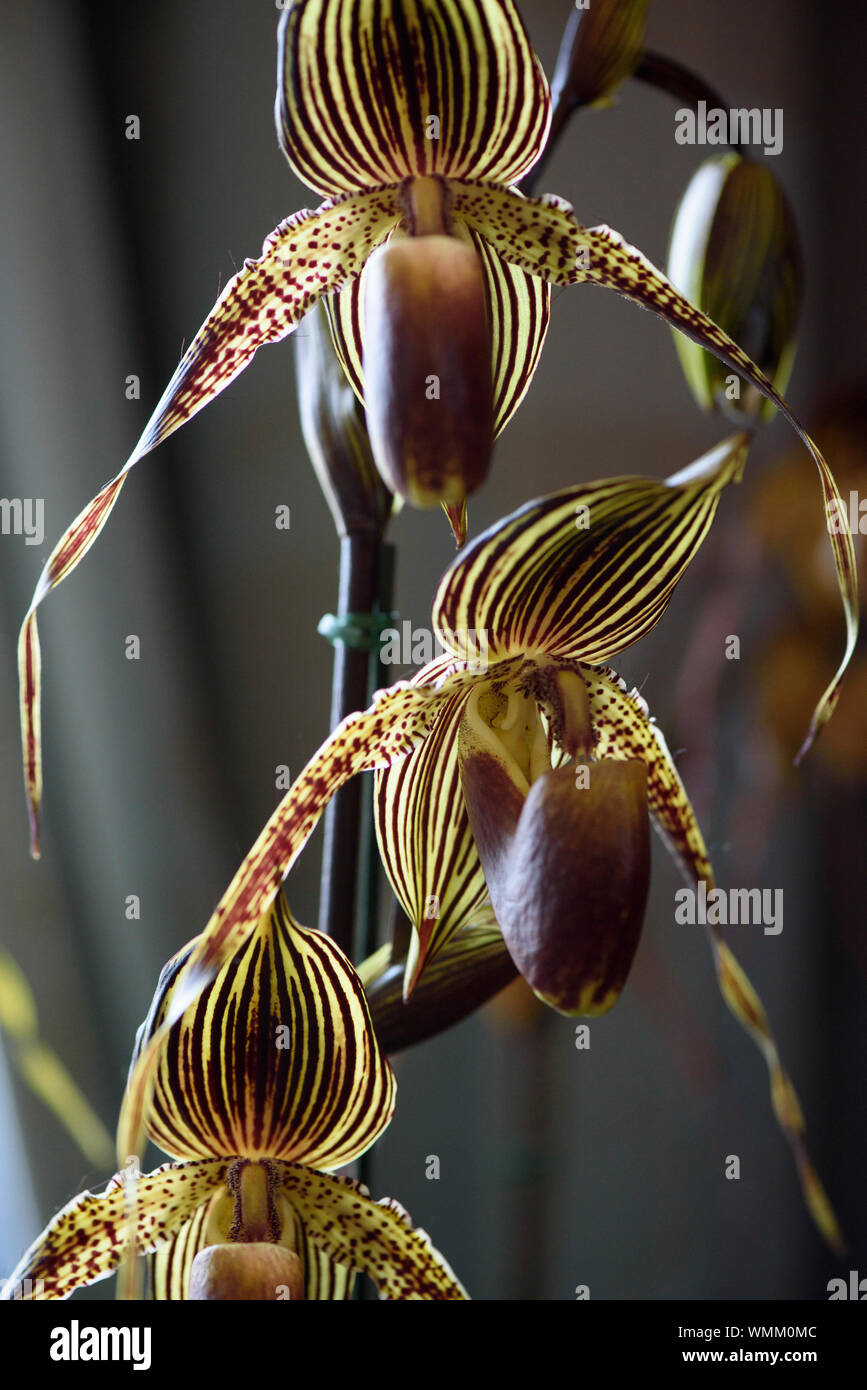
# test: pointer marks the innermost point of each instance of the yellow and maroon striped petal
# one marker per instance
(170, 1265)
(425, 840)
(542, 236)
(519, 307)
(309, 255)
(624, 730)
(372, 91)
(585, 572)
(398, 719)
(85, 1241)
(276, 1059)
(374, 1238)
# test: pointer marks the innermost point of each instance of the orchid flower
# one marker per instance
(414, 120)
(274, 1076)
(476, 794)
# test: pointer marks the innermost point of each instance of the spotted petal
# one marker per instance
(375, 1238)
(307, 256)
(276, 1059)
(389, 729)
(371, 91)
(626, 730)
(541, 236)
(584, 572)
(85, 1241)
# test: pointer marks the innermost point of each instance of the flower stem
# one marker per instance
(359, 592)
(667, 75)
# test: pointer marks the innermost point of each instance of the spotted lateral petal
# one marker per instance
(371, 91)
(584, 572)
(425, 839)
(276, 1059)
(374, 1238)
(519, 307)
(542, 237)
(170, 1265)
(471, 968)
(398, 718)
(307, 256)
(625, 729)
(84, 1242)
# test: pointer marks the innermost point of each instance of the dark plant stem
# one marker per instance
(672, 77)
(655, 70)
(360, 558)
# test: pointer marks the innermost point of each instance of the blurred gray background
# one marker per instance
(558, 1167)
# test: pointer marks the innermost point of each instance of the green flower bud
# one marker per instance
(601, 48)
(735, 254)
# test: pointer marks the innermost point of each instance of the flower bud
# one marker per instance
(427, 369)
(332, 421)
(735, 254)
(601, 48)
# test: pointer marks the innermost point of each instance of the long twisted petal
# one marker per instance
(542, 236)
(625, 730)
(307, 256)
